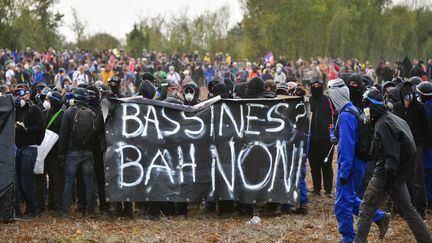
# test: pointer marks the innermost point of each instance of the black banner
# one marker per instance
(245, 150)
(7, 161)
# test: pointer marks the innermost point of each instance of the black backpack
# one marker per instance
(83, 127)
(364, 135)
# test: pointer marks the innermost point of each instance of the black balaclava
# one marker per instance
(94, 101)
(407, 91)
(222, 90)
(114, 84)
(317, 91)
(377, 108)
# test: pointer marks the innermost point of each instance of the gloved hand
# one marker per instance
(343, 181)
(333, 138)
(388, 183)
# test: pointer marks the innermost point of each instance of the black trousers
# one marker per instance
(320, 171)
(55, 170)
(100, 179)
(416, 183)
(375, 196)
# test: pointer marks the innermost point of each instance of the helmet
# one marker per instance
(424, 88)
(81, 94)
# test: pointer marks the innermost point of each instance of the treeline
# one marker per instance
(364, 29)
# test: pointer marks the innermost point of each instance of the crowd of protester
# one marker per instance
(52, 87)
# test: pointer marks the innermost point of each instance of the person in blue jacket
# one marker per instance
(424, 89)
(350, 168)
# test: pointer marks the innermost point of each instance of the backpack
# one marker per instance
(83, 127)
(364, 135)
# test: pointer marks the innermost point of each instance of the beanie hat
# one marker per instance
(317, 79)
(146, 89)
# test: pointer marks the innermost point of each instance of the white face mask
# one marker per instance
(189, 97)
(22, 103)
(71, 102)
(278, 70)
(47, 105)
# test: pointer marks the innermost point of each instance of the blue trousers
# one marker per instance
(347, 204)
(25, 160)
(73, 161)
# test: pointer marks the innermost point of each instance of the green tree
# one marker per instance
(136, 41)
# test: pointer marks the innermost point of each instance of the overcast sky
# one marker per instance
(117, 17)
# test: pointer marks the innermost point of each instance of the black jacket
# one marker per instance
(321, 117)
(393, 146)
(65, 142)
(55, 125)
(33, 120)
(416, 117)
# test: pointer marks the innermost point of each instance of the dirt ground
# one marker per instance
(318, 226)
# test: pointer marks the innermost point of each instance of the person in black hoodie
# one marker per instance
(78, 155)
(322, 119)
(191, 94)
(414, 113)
(254, 88)
(29, 133)
(393, 148)
(355, 85)
(54, 163)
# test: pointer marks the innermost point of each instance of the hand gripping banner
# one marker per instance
(248, 150)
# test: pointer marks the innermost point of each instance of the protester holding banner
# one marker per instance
(29, 132)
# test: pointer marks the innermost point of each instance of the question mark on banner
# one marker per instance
(299, 115)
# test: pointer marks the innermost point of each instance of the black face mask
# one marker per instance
(317, 91)
(115, 89)
(407, 93)
(375, 112)
(355, 94)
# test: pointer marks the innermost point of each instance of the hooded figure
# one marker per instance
(350, 168)
(94, 97)
(114, 83)
(425, 91)
(338, 93)
(414, 113)
(147, 89)
(393, 148)
(240, 90)
(356, 88)
(222, 90)
(191, 94)
(322, 115)
(254, 88)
